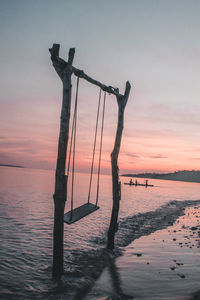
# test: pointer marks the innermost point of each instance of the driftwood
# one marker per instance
(64, 70)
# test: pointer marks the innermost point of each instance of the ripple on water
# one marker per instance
(26, 223)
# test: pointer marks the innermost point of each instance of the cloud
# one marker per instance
(25, 160)
(195, 158)
(157, 156)
(20, 145)
(132, 155)
(182, 113)
(145, 155)
(28, 152)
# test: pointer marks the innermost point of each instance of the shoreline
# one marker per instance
(92, 265)
(181, 176)
(164, 264)
(136, 226)
(168, 179)
(11, 166)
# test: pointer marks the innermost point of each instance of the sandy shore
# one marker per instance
(162, 265)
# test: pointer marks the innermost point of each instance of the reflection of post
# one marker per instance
(116, 282)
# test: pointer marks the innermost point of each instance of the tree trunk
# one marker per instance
(64, 71)
(116, 189)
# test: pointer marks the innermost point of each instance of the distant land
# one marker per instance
(12, 166)
(189, 176)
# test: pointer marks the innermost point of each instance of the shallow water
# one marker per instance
(161, 266)
(26, 222)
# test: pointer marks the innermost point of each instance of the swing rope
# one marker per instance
(73, 144)
(94, 147)
(72, 134)
(101, 142)
(74, 215)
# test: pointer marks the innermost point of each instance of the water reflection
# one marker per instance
(116, 282)
(117, 290)
(26, 224)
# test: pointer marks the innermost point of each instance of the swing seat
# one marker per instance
(80, 212)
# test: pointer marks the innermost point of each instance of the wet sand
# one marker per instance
(162, 265)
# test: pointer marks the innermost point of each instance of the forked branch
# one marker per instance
(60, 65)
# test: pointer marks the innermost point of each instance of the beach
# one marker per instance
(162, 265)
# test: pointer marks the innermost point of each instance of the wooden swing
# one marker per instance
(84, 210)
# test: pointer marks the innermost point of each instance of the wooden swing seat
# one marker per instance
(79, 213)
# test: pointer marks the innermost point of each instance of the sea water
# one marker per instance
(26, 225)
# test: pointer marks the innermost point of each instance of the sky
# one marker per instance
(152, 43)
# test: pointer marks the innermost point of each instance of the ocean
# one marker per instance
(26, 225)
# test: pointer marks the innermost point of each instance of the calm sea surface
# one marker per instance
(26, 223)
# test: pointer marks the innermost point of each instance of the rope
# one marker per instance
(72, 149)
(101, 142)
(72, 134)
(73, 144)
(94, 147)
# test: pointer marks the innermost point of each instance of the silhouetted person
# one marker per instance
(136, 182)
(131, 181)
(146, 182)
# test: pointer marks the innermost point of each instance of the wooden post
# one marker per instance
(121, 101)
(64, 71)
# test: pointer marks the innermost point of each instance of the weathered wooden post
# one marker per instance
(116, 188)
(64, 71)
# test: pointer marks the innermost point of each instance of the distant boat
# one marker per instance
(136, 184)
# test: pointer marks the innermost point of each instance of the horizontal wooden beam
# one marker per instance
(109, 89)
(60, 65)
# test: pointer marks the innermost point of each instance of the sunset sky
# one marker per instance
(153, 44)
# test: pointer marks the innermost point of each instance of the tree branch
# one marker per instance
(126, 93)
(71, 56)
(58, 63)
(127, 89)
